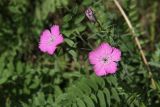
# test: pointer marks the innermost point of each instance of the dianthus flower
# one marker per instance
(104, 59)
(49, 40)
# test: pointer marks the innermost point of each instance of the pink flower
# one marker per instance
(105, 58)
(50, 39)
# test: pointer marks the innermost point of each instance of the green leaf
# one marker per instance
(155, 64)
(101, 98)
(19, 67)
(80, 103)
(79, 19)
(2, 63)
(142, 105)
(75, 9)
(39, 99)
(112, 80)
(57, 91)
(115, 94)
(74, 105)
(24, 104)
(91, 83)
(68, 33)
(69, 42)
(100, 82)
(67, 18)
(73, 53)
(93, 96)
(4, 76)
(80, 28)
(108, 96)
(88, 101)
(77, 90)
(3, 80)
(36, 83)
(84, 87)
(86, 2)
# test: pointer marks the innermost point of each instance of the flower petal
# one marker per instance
(93, 57)
(55, 30)
(99, 70)
(51, 50)
(42, 47)
(111, 68)
(116, 54)
(43, 40)
(59, 40)
(45, 36)
(105, 48)
(96, 55)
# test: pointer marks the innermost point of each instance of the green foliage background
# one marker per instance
(29, 78)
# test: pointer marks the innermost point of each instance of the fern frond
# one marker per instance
(96, 92)
(134, 16)
(48, 6)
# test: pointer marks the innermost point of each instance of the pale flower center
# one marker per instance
(51, 39)
(105, 59)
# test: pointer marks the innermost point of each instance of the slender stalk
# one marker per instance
(87, 43)
(153, 21)
(136, 41)
(99, 24)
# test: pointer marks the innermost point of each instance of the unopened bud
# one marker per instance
(90, 14)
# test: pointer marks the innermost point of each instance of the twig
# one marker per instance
(136, 41)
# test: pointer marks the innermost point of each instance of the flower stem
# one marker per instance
(136, 41)
(99, 24)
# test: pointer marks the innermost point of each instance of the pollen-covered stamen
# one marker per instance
(51, 39)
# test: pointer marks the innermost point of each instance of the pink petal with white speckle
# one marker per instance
(44, 40)
(105, 48)
(93, 57)
(111, 68)
(49, 40)
(51, 50)
(99, 70)
(104, 59)
(116, 54)
(59, 39)
(55, 30)
(96, 54)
